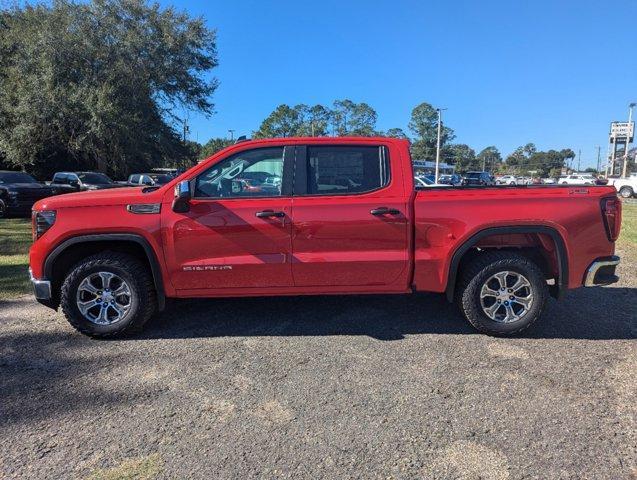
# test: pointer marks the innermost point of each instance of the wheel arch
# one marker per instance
(561, 283)
(88, 243)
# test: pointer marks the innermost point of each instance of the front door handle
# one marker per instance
(384, 211)
(270, 213)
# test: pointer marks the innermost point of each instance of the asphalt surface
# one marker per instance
(324, 387)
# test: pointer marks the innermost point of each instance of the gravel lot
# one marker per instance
(324, 387)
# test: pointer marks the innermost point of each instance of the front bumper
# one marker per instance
(41, 289)
(602, 272)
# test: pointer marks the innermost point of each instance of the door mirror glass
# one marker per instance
(181, 203)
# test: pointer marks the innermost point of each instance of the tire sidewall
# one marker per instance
(70, 307)
(626, 192)
(486, 324)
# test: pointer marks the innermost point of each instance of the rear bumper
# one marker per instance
(602, 272)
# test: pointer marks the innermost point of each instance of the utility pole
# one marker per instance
(579, 159)
(231, 134)
(186, 128)
(630, 120)
(599, 159)
(439, 110)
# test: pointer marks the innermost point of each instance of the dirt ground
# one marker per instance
(324, 387)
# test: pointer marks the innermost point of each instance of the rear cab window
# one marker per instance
(345, 169)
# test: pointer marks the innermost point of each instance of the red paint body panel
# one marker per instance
(329, 244)
(445, 219)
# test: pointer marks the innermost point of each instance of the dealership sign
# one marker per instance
(622, 131)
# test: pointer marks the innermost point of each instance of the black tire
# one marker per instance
(142, 302)
(626, 192)
(484, 267)
(3, 209)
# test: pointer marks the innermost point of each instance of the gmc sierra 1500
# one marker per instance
(302, 216)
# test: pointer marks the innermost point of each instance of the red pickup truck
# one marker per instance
(305, 216)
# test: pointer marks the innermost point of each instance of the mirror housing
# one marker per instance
(181, 203)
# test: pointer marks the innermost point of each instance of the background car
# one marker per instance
(478, 178)
(148, 179)
(506, 180)
(79, 181)
(577, 179)
(19, 191)
(626, 187)
(426, 182)
(450, 179)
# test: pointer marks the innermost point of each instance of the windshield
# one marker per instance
(94, 178)
(473, 175)
(16, 177)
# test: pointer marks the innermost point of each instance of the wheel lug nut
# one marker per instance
(511, 297)
(509, 290)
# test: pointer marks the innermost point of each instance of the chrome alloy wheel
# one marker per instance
(506, 296)
(103, 298)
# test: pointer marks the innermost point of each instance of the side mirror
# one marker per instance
(181, 203)
(74, 183)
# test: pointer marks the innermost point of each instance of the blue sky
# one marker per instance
(555, 73)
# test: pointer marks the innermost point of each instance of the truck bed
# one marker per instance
(447, 218)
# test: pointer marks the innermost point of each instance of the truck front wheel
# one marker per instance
(108, 294)
(502, 293)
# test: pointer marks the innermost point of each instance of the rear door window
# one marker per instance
(343, 169)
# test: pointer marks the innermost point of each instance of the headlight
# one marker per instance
(13, 194)
(42, 221)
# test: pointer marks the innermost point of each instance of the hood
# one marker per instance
(104, 197)
(25, 186)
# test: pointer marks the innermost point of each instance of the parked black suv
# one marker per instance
(78, 181)
(478, 178)
(19, 191)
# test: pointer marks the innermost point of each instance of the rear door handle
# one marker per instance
(384, 211)
(269, 213)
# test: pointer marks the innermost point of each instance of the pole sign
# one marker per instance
(621, 131)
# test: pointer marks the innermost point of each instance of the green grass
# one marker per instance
(15, 240)
(628, 236)
(141, 468)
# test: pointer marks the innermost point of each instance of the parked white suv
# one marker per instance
(577, 180)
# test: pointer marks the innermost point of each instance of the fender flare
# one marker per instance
(560, 250)
(106, 237)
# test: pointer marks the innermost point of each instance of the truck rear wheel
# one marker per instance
(502, 293)
(109, 294)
